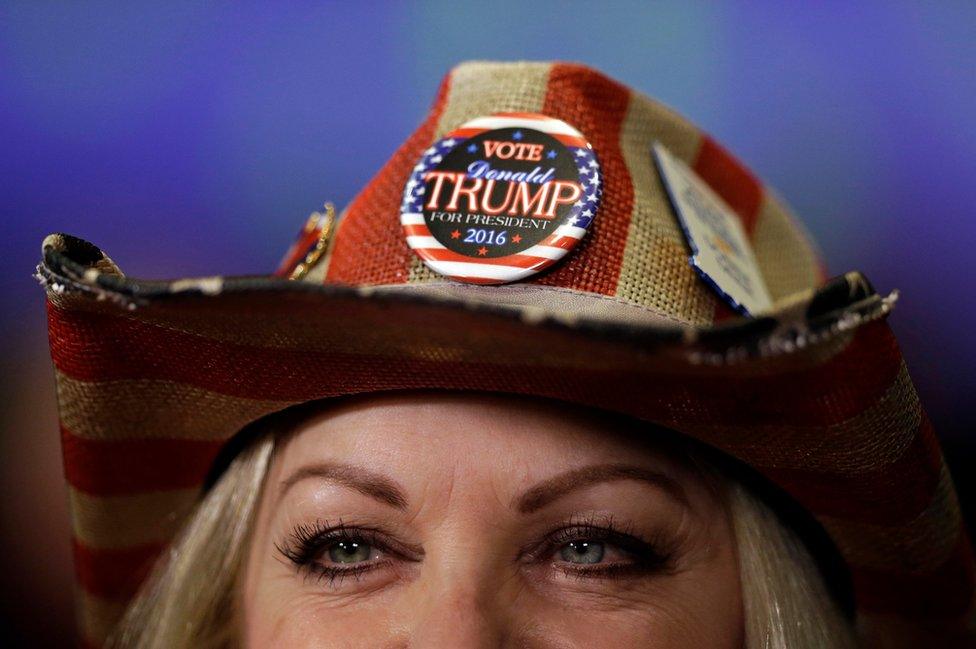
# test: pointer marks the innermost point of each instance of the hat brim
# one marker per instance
(154, 376)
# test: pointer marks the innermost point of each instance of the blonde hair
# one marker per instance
(191, 599)
(784, 597)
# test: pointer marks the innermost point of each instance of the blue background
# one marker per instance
(193, 140)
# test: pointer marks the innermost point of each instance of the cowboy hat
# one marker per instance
(154, 377)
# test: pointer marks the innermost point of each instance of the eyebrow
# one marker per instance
(354, 477)
(556, 487)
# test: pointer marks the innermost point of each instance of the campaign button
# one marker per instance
(501, 198)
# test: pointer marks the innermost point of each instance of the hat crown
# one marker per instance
(635, 253)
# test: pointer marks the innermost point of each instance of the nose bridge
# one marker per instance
(463, 596)
(460, 603)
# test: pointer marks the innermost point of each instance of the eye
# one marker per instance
(334, 552)
(601, 550)
(351, 551)
(584, 552)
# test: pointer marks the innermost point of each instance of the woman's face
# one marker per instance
(479, 521)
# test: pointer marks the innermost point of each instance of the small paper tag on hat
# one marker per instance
(720, 249)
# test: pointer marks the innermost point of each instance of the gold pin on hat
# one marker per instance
(314, 238)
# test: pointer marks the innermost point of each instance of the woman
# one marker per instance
(500, 407)
(437, 520)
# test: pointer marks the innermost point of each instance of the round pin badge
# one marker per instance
(501, 198)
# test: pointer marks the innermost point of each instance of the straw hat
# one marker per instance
(153, 377)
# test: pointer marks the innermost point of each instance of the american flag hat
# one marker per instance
(154, 377)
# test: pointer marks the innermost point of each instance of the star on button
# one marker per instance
(472, 147)
(456, 234)
(580, 153)
(482, 251)
(517, 238)
(594, 163)
(517, 135)
(448, 142)
(551, 154)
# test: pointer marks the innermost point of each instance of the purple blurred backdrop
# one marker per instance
(194, 140)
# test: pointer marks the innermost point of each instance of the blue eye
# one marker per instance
(582, 552)
(349, 552)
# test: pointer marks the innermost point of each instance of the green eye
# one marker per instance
(349, 552)
(582, 552)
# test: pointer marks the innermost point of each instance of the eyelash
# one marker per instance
(307, 541)
(652, 556)
(647, 556)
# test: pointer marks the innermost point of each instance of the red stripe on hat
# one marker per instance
(113, 574)
(866, 496)
(731, 180)
(596, 106)
(97, 346)
(119, 467)
(369, 247)
(944, 593)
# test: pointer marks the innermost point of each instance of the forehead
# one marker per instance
(481, 431)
